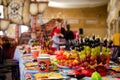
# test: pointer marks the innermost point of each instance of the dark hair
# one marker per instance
(59, 20)
(68, 27)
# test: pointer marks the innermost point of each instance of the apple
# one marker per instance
(76, 61)
(88, 60)
(92, 62)
(75, 72)
(82, 60)
(101, 70)
(80, 68)
(70, 65)
(92, 58)
(88, 72)
(88, 55)
(85, 64)
(74, 64)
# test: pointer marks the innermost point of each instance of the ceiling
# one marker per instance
(76, 3)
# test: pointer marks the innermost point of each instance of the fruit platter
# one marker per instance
(64, 59)
(85, 59)
(72, 73)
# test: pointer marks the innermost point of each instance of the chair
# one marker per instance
(2, 76)
(9, 65)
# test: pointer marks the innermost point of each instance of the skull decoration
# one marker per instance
(42, 66)
(14, 10)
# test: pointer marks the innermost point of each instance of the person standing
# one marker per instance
(69, 34)
(56, 40)
(58, 25)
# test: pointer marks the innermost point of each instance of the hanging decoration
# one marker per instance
(5, 2)
(5, 12)
(15, 11)
(26, 15)
(42, 6)
(4, 24)
(34, 8)
(11, 30)
(0, 1)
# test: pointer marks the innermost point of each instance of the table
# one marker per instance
(18, 55)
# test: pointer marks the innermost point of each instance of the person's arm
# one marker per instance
(30, 41)
(57, 40)
(61, 35)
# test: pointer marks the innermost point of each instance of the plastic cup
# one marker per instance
(62, 48)
(35, 53)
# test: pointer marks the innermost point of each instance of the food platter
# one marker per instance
(30, 64)
(27, 57)
(50, 76)
(31, 68)
(117, 69)
(72, 73)
(65, 67)
(60, 66)
(117, 75)
(53, 78)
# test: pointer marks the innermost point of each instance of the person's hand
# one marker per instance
(61, 35)
(62, 42)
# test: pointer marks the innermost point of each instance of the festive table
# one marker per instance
(28, 72)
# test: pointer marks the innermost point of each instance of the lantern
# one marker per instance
(4, 24)
(33, 8)
(42, 6)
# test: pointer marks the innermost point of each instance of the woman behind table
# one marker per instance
(56, 40)
(58, 25)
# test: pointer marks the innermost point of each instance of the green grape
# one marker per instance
(83, 52)
(108, 49)
(87, 48)
(106, 53)
(82, 56)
